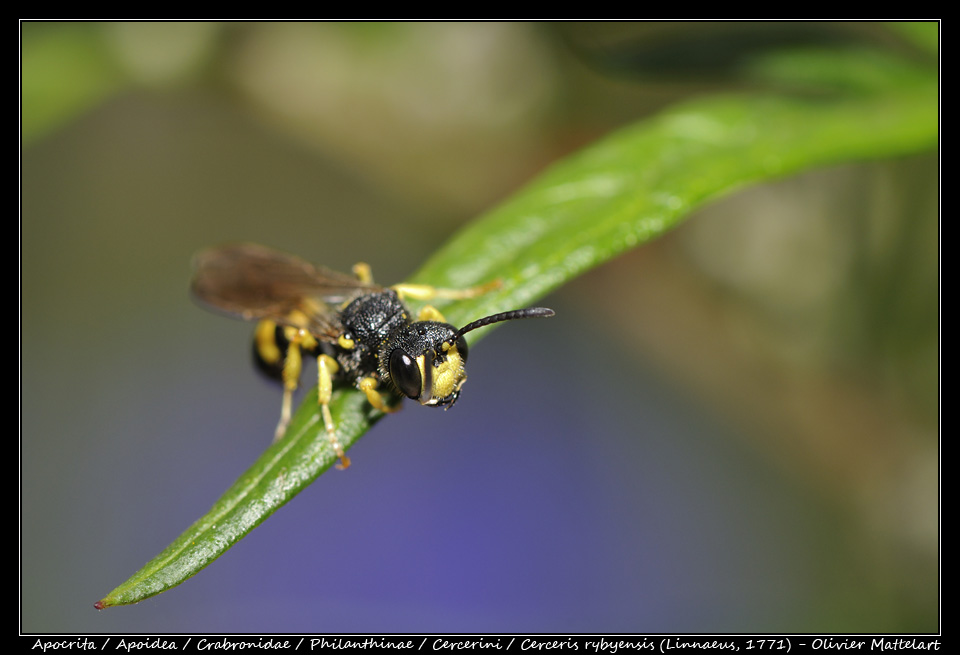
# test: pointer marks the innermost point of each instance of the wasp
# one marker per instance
(360, 333)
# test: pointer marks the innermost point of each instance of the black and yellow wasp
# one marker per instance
(359, 332)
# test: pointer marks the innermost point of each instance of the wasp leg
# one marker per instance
(368, 385)
(363, 272)
(431, 313)
(284, 413)
(290, 375)
(427, 292)
(327, 367)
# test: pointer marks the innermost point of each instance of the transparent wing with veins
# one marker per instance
(254, 282)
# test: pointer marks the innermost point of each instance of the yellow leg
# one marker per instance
(363, 272)
(430, 313)
(291, 379)
(327, 367)
(368, 385)
(292, 365)
(427, 292)
(284, 414)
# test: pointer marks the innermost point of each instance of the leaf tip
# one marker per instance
(101, 604)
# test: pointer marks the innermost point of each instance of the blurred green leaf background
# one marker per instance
(733, 428)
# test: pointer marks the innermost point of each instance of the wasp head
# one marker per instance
(426, 360)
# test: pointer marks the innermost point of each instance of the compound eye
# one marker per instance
(462, 348)
(405, 374)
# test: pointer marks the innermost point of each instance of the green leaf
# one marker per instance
(614, 195)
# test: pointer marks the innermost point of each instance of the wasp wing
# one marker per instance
(255, 282)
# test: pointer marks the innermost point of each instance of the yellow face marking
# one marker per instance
(446, 379)
(345, 342)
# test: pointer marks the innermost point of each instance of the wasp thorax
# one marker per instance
(426, 361)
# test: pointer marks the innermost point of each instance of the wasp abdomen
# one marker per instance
(270, 349)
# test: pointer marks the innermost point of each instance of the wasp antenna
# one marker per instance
(530, 312)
